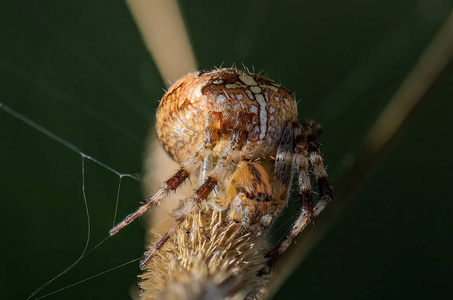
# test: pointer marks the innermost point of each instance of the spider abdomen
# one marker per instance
(182, 113)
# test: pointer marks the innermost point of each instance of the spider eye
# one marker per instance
(261, 197)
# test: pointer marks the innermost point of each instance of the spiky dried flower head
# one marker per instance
(209, 257)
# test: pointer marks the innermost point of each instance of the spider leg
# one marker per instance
(307, 149)
(231, 157)
(213, 125)
(300, 151)
(325, 189)
(283, 169)
(291, 151)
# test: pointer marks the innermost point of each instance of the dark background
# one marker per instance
(80, 70)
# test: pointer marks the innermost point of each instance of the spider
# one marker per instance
(239, 132)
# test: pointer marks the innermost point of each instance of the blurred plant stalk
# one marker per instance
(164, 34)
(415, 89)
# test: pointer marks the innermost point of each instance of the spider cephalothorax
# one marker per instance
(239, 133)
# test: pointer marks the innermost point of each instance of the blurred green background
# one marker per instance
(80, 70)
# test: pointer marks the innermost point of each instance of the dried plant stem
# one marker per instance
(434, 61)
(163, 31)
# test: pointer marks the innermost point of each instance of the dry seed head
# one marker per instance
(207, 258)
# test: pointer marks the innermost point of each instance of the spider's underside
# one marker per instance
(238, 133)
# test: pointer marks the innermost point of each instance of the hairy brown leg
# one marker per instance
(213, 127)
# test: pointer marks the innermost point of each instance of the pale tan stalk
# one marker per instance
(162, 27)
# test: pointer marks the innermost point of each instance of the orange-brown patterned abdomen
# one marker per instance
(182, 113)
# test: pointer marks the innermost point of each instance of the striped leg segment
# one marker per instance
(284, 162)
(325, 189)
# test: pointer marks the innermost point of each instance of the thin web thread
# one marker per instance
(74, 148)
(84, 251)
(89, 278)
(61, 141)
(117, 200)
(61, 96)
